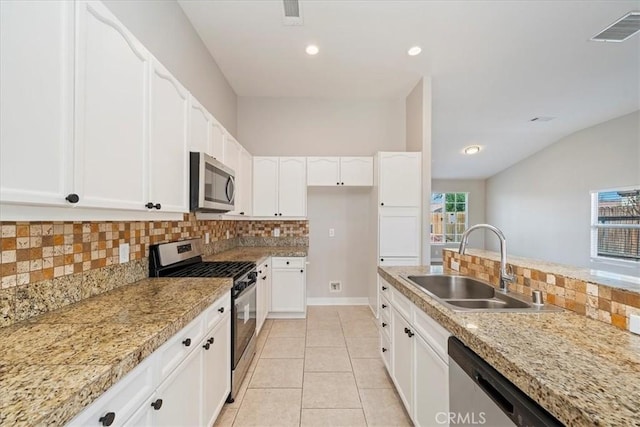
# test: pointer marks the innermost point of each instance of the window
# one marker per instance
(448, 216)
(615, 224)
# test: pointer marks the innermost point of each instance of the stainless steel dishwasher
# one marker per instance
(480, 395)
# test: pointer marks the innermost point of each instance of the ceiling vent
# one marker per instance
(292, 12)
(620, 30)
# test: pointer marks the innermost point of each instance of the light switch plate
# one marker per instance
(634, 323)
(276, 232)
(206, 238)
(123, 251)
(332, 232)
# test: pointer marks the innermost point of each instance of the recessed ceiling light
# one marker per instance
(414, 51)
(472, 149)
(312, 49)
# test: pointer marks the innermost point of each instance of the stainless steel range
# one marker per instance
(184, 259)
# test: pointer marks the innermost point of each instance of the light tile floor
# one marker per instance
(324, 370)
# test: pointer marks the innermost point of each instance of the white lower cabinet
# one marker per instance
(263, 294)
(288, 287)
(185, 382)
(415, 354)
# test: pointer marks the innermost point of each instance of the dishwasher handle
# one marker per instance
(501, 400)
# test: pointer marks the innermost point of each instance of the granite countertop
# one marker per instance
(582, 371)
(54, 365)
(258, 254)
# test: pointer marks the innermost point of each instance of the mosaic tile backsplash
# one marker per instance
(596, 301)
(47, 265)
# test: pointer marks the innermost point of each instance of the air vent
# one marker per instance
(620, 30)
(292, 12)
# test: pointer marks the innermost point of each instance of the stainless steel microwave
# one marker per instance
(212, 184)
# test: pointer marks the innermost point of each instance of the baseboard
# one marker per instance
(338, 301)
(300, 315)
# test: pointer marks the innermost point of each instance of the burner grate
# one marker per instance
(234, 269)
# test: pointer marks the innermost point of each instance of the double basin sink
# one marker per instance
(462, 294)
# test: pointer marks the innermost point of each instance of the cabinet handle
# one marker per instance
(381, 204)
(287, 262)
(381, 259)
(221, 309)
(384, 325)
(187, 342)
(280, 214)
(158, 206)
(410, 334)
(337, 183)
(149, 205)
(384, 349)
(241, 213)
(301, 271)
(211, 340)
(264, 277)
(275, 214)
(342, 183)
(74, 198)
(259, 271)
(109, 417)
(384, 305)
(157, 404)
(384, 288)
(206, 346)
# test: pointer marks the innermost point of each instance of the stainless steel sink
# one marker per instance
(460, 293)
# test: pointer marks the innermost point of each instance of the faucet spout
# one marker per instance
(505, 277)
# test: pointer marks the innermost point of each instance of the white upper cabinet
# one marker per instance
(200, 125)
(232, 160)
(343, 171)
(217, 140)
(280, 186)
(111, 112)
(265, 186)
(323, 171)
(400, 179)
(36, 106)
(168, 143)
(292, 187)
(245, 183)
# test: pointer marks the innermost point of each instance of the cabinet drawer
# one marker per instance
(217, 311)
(401, 303)
(434, 334)
(385, 288)
(179, 346)
(121, 400)
(385, 326)
(385, 308)
(385, 351)
(289, 262)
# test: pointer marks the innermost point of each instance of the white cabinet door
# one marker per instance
(200, 124)
(400, 179)
(181, 394)
(292, 187)
(265, 186)
(402, 360)
(111, 112)
(169, 109)
(36, 106)
(246, 183)
(263, 295)
(356, 171)
(431, 385)
(399, 232)
(398, 261)
(288, 291)
(232, 160)
(216, 374)
(323, 171)
(217, 140)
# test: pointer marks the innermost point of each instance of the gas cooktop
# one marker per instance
(235, 269)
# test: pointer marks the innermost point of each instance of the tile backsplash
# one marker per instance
(596, 301)
(47, 265)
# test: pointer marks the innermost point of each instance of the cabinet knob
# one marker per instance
(381, 259)
(410, 334)
(384, 288)
(221, 309)
(280, 214)
(264, 277)
(275, 214)
(381, 204)
(384, 349)
(301, 271)
(109, 417)
(259, 271)
(337, 183)
(342, 183)
(158, 206)
(157, 404)
(206, 346)
(73, 198)
(384, 325)
(241, 213)
(149, 205)
(384, 305)
(187, 342)
(287, 262)
(211, 340)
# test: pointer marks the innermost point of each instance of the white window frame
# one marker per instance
(466, 217)
(595, 258)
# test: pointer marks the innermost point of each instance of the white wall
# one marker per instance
(476, 208)
(542, 203)
(414, 117)
(329, 127)
(164, 29)
(320, 127)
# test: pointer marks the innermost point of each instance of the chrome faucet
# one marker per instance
(505, 277)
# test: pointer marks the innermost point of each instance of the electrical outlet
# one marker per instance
(206, 238)
(228, 234)
(123, 251)
(634, 323)
(276, 232)
(335, 286)
(455, 265)
(332, 232)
